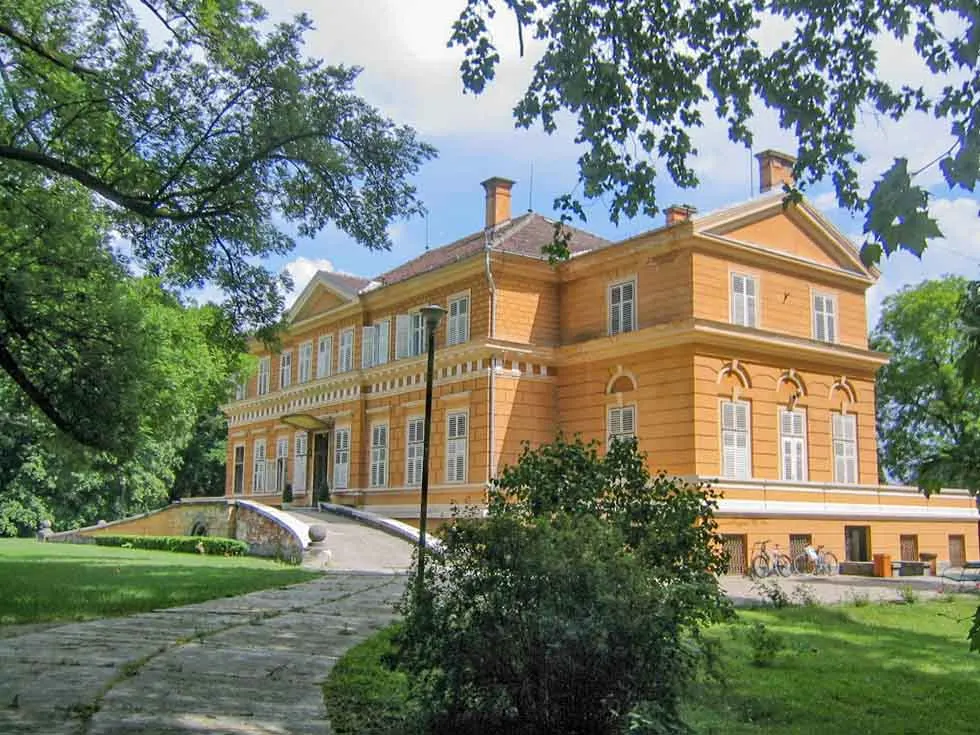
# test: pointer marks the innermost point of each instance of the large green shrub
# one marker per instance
(576, 601)
(188, 544)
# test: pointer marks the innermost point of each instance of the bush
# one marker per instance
(186, 544)
(770, 591)
(765, 644)
(573, 607)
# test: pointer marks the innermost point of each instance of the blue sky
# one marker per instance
(412, 76)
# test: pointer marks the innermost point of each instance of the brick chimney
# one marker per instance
(679, 213)
(775, 169)
(498, 200)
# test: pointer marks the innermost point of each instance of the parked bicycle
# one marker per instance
(814, 560)
(765, 562)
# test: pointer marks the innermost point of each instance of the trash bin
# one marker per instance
(930, 559)
(882, 565)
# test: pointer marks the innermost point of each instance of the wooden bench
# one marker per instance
(969, 572)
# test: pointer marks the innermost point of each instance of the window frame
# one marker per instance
(610, 435)
(747, 277)
(822, 317)
(257, 473)
(300, 460)
(305, 358)
(834, 440)
(631, 281)
(417, 446)
(237, 470)
(379, 456)
(285, 369)
(453, 326)
(324, 367)
(803, 438)
(338, 449)
(748, 438)
(465, 439)
(281, 464)
(264, 376)
(345, 366)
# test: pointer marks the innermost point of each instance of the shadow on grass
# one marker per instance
(881, 668)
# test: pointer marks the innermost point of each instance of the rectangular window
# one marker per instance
(262, 381)
(258, 467)
(282, 457)
(844, 432)
(301, 442)
(305, 362)
(744, 306)
(238, 476)
(456, 446)
(458, 325)
(374, 344)
(341, 458)
(345, 355)
(798, 543)
(620, 423)
(285, 369)
(324, 355)
(792, 440)
(241, 391)
(825, 318)
(622, 307)
(379, 455)
(409, 335)
(414, 434)
(736, 443)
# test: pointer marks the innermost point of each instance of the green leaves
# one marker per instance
(898, 214)
(639, 77)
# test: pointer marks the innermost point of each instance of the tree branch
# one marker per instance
(27, 43)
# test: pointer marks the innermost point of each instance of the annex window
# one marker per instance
(345, 355)
(286, 369)
(410, 337)
(844, 433)
(301, 442)
(379, 455)
(324, 355)
(375, 344)
(736, 440)
(282, 457)
(241, 391)
(824, 317)
(414, 437)
(458, 324)
(620, 423)
(792, 445)
(622, 307)
(305, 363)
(341, 458)
(238, 474)
(262, 381)
(456, 434)
(744, 295)
(258, 467)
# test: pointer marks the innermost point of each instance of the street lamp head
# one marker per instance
(432, 314)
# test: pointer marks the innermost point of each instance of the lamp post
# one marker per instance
(431, 315)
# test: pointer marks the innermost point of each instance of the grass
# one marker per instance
(870, 668)
(61, 582)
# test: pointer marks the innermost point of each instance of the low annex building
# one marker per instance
(733, 345)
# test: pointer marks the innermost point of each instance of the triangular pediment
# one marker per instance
(797, 230)
(321, 295)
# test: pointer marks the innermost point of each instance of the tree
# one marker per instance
(639, 76)
(183, 374)
(574, 606)
(191, 130)
(928, 415)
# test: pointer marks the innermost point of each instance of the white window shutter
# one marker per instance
(615, 310)
(738, 299)
(750, 307)
(367, 347)
(402, 336)
(629, 421)
(382, 342)
(299, 462)
(628, 306)
(615, 422)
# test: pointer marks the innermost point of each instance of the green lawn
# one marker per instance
(52, 582)
(879, 669)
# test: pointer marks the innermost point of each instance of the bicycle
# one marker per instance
(765, 563)
(814, 560)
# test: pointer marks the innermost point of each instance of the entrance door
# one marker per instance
(957, 551)
(857, 543)
(321, 488)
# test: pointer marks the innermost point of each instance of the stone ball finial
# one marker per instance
(102, 522)
(318, 532)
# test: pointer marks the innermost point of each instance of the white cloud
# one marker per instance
(302, 270)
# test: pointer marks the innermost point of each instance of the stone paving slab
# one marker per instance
(245, 665)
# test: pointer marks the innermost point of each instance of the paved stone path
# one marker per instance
(354, 546)
(246, 665)
(841, 589)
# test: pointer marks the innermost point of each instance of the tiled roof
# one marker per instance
(524, 235)
(346, 281)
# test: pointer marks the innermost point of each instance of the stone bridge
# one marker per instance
(268, 531)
